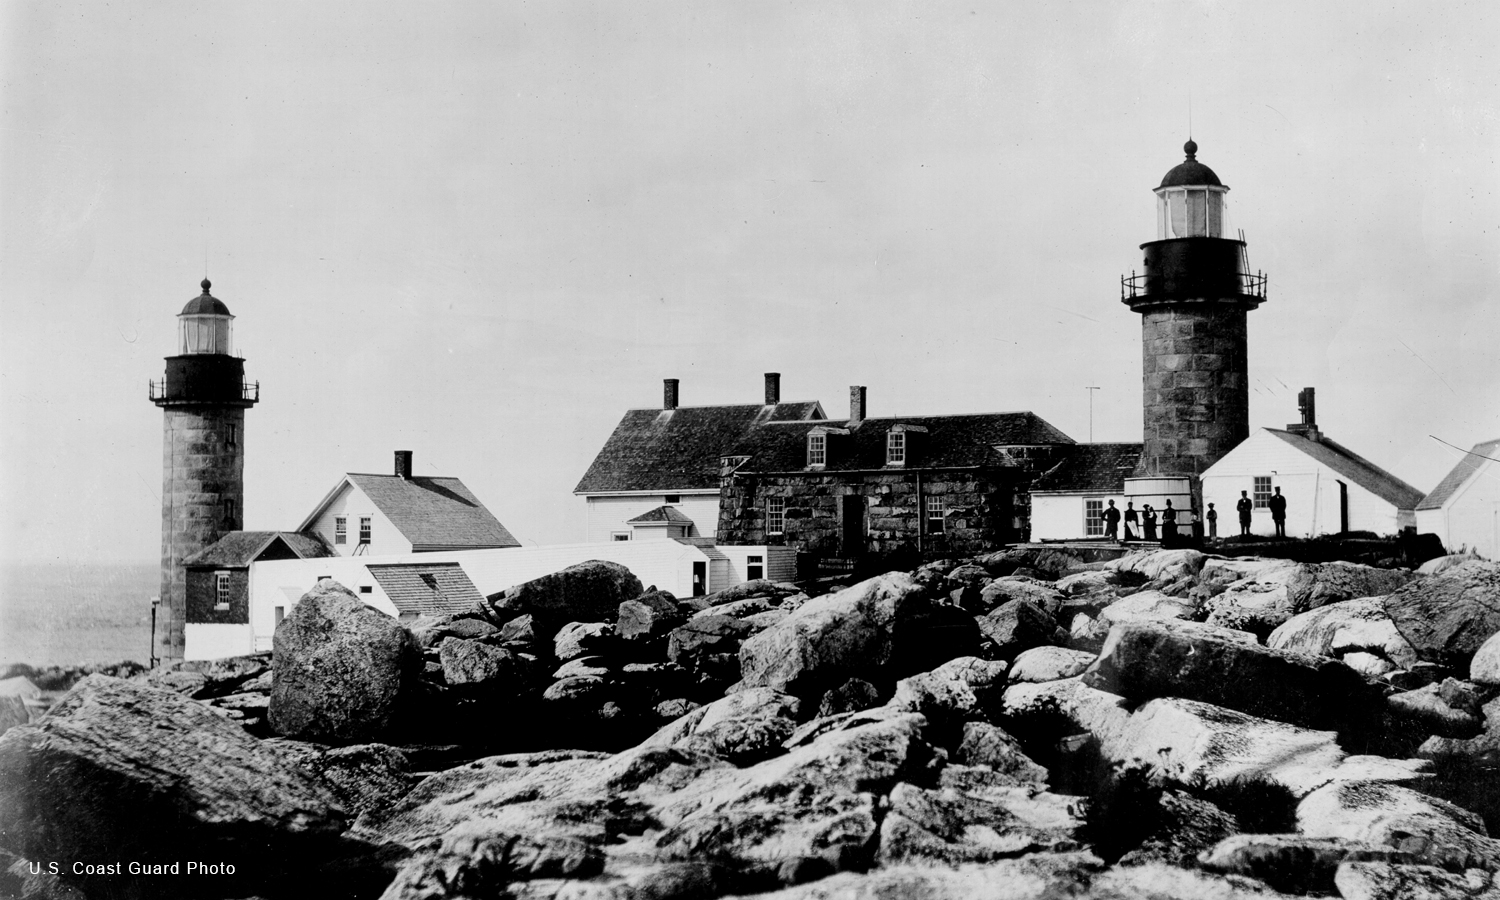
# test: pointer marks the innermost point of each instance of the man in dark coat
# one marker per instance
(1277, 503)
(1111, 517)
(1244, 506)
(1132, 519)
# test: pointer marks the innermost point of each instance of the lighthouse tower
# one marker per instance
(1193, 296)
(204, 397)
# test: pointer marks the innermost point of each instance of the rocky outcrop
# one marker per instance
(831, 638)
(1145, 660)
(1340, 629)
(587, 592)
(151, 776)
(340, 668)
(1377, 812)
(1448, 617)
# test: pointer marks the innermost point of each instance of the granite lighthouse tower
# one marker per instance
(204, 397)
(1193, 297)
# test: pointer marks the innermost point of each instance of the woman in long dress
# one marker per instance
(1148, 522)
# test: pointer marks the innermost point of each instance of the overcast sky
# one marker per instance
(482, 232)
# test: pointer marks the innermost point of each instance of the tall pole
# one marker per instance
(1091, 390)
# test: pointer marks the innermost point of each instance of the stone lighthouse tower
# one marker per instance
(1193, 297)
(204, 397)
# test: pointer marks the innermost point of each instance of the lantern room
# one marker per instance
(205, 326)
(1190, 201)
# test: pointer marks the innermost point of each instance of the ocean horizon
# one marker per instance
(66, 614)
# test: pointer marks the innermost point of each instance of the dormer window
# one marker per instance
(817, 449)
(895, 448)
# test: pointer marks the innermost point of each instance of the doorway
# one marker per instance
(853, 512)
(1343, 508)
(700, 579)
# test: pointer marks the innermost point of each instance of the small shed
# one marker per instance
(1464, 509)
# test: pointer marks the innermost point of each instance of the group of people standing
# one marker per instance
(1146, 519)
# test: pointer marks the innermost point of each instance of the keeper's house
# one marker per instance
(1464, 509)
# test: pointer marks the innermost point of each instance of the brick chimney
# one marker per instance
(669, 393)
(1307, 406)
(773, 388)
(856, 404)
(403, 465)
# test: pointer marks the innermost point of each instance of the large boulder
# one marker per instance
(587, 592)
(1144, 660)
(950, 826)
(706, 635)
(1049, 664)
(1295, 863)
(467, 662)
(1015, 627)
(1160, 567)
(648, 617)
(124, 771)
(1004, 590)
(743, 728)
(1339, 629)
(1448, 617)
(1377, 812)
(340, 668)
(1484, 668)
(830, 639)
(1312, 586)
(1146, 606)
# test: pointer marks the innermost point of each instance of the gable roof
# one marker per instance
(679, 449)
(662, 515)
(958, 441)
(430, 589)
(1459, 474)
(241, 548)
(1092, 469)
(1356, 468)
(429, 511)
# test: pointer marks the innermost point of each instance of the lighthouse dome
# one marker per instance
(205, 304)
(1190, 171)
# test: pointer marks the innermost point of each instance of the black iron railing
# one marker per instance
(1134, 286)
(156, 389)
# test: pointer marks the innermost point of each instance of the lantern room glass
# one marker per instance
(1191, 211)
(205, 334)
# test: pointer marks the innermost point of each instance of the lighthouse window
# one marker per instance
(341, 530)
(231, 435)
(228, 507)
(364, 529)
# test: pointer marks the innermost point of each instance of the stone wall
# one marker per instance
(983, 509)
(203, 597)
(1196, 395)
(201, 469)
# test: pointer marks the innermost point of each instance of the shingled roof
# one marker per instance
(679, 449)
(957, 441)
(1092, 469)
(665, 515)
(433, 511)
(426, 589)
(241, 548)
(1460, 474)
(1356, 468)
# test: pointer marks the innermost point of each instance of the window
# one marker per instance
(619, 536)
(817, 449)
(431, 581)
(895, 448)
(775, 515)
(755, 567)
(364, 529)
(366, 589)
(1093, 521)
(672, 498)
(1262, 492)
(341, 530)
(221, 590)
(227, 505)
(231, 436)
(280, 613)
(936, 514)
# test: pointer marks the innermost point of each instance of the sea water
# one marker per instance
(72, 614)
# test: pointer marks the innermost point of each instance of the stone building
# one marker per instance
(218, 587)
(910, 485)
(203, 397)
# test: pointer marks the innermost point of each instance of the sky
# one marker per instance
(481, 231)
